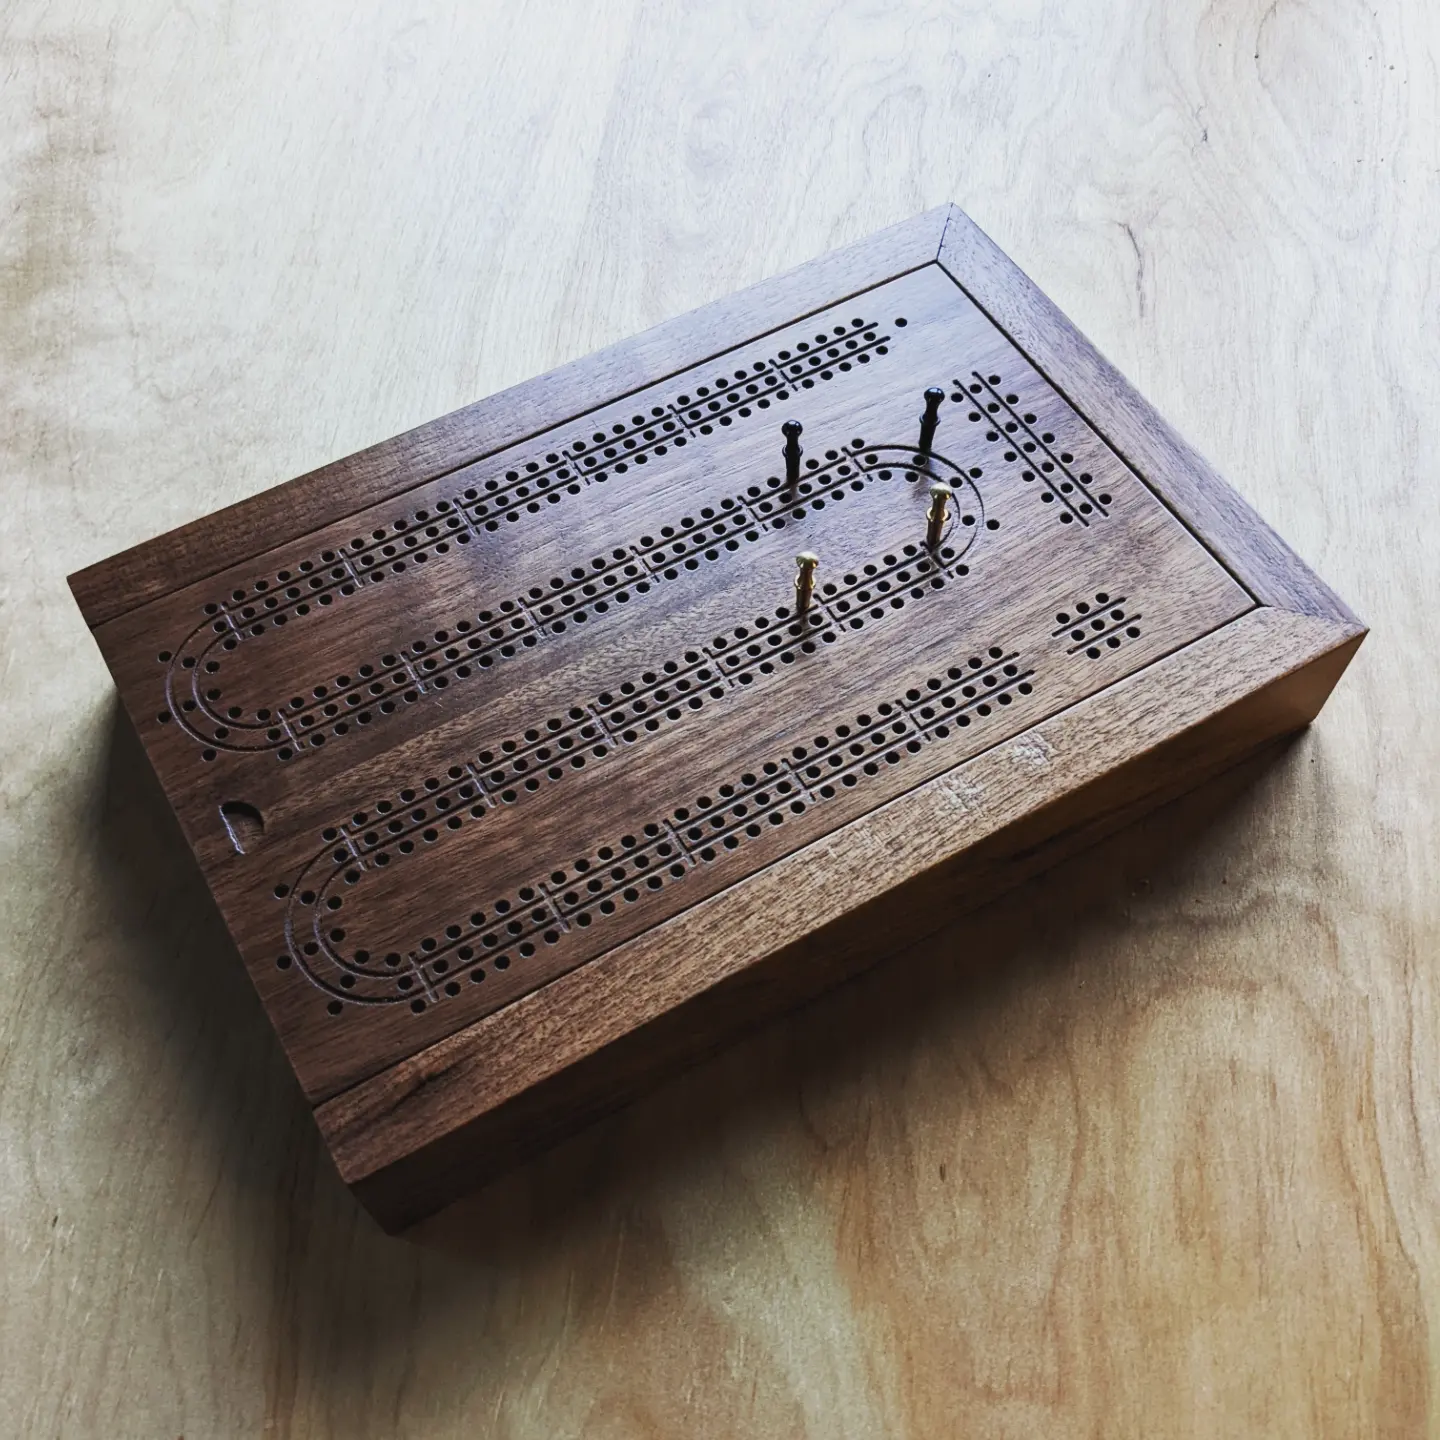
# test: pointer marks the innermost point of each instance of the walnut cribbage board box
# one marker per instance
(519, 773)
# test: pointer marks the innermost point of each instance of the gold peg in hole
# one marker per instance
(939, 513)
(805, 563)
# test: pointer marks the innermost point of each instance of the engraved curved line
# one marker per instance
(460, 518)
(691, 835)
(1040, 443)
(378, 687)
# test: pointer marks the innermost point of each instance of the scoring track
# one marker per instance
(257, 719)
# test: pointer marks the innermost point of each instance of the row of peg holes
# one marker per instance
(771, 812)
(654, 880)
(532, 783)
(401, 528)
(510, 610)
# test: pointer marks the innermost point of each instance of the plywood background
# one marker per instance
(1153, 1149)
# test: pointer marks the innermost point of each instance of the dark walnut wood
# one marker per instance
(521, 776)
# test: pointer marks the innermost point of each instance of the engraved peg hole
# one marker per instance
(244, 824)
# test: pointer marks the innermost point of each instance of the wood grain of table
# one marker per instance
(1152, 1147)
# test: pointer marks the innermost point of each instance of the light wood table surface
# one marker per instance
(1152, 1149)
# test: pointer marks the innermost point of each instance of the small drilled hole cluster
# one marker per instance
(878, 588)
(1095, 626)
(1072, 492)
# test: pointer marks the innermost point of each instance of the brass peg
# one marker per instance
(792, 431)
(930, 419)
(938, 515)
(805, 563)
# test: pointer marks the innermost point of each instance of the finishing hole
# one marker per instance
(243, 824)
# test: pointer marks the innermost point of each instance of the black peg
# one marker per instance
(930, 419)
(792, 431)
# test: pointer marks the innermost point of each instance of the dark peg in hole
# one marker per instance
(792, 431)
(931, 418)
